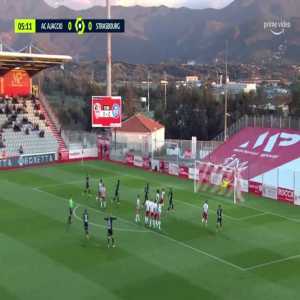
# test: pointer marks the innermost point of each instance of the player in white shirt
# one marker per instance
(158, 216)
(147, 212)
(152, 214)
(205, 213)
(103, 196)
(162, 197)
(137, 209)
(99, 190)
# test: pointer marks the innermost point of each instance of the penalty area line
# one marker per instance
(273, 262)
(182, 244)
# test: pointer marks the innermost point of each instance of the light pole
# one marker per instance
(226, 95)
(165, 83)
(108, 59)
(148, 82)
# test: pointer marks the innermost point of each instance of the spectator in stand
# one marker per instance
(27, 130)
(42, 134)
(21, 150)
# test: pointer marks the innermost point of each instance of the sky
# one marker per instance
(79, 4)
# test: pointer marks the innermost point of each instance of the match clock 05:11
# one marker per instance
(25, 26)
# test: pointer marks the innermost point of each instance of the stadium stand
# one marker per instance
(24, 128)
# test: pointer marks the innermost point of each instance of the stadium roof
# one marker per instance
(141, 124)
(30, 62)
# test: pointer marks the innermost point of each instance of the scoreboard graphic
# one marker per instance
(106, 111)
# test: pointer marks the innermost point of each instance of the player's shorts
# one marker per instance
(71, 211)
(205, 216)
(109, 232)
(147, 213)
(219, 221)
(87, 186)
(86, 227)
(158, 216)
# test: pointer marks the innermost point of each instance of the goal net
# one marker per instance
(218, 179)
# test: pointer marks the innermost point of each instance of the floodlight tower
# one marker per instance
(108, 59)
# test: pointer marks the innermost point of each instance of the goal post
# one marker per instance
(218, 179)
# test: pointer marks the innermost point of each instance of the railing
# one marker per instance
(50, 111)
(264, 121)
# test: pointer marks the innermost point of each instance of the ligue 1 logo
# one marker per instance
(277, 28)
(116, 110)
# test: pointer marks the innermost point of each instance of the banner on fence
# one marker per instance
(285, 195)
(173, 169)
(146, 163)
(184, 171)
(255, 188)
(269, 191)
(129, 159)
(83, 153)
(27, 160)
(138, 161)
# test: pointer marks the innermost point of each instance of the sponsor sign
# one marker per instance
(262, 149)
(269, 191)
(184, 171)
(285, 195)
(165, 166)
(106, 111)
(83, 153)
(173, 169)
(138, 161)
(27, 160)
(255, 188)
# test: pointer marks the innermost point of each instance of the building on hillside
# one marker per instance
(141, 133)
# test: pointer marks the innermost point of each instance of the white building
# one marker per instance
(141, 133)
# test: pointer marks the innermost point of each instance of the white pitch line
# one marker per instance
(216, 258)
(272, 262)
(89, 207)
(163, 236)
(251, 217)
(102, 226)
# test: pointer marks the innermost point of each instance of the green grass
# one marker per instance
(256, 256)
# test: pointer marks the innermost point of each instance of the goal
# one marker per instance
(218, 179)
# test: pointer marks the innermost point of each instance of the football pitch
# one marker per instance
(255, 256)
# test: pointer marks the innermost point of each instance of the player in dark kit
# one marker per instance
(109, 225)
(146, 192)
(171, 199)
(117, 190)
(85, 219)
(219, 217)
(87, 185)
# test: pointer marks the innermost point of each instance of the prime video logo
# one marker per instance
(277, 27)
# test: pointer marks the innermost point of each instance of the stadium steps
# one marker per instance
(53, 128)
